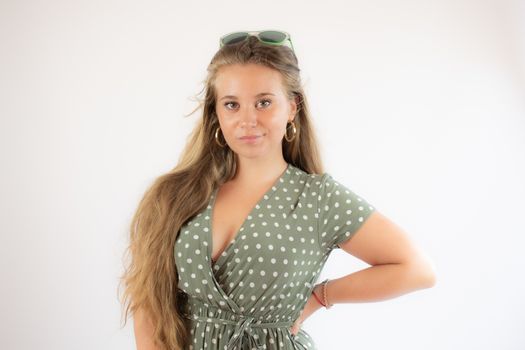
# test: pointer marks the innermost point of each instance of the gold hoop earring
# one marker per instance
(217, 137)
(286, 132)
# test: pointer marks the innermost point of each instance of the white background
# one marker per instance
(419, 107)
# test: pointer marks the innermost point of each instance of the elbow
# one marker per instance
(427, 271)
(429, 279)
(423, 273)
(430, 272)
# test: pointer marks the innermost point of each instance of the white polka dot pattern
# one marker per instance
(267, 272)
(341, 213)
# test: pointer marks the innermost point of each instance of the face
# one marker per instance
(251, 101)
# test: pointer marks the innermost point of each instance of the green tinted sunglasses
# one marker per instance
(270, 37)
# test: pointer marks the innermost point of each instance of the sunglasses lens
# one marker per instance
(234, 38)
(272, 36)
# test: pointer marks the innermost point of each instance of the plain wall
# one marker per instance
(419, 107)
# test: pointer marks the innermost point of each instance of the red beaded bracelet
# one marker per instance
(319, 300)
(323, 286)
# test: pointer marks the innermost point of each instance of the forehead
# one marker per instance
(247, 80)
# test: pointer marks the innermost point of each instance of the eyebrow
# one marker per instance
(258, 95)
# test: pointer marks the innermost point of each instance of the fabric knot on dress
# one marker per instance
(237, 340)
(244, 334)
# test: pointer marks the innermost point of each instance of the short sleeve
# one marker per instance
(341, 212)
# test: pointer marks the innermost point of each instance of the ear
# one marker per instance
(293, 109)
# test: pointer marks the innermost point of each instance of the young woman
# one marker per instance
(226, 249)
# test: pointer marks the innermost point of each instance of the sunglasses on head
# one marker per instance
(270, 37)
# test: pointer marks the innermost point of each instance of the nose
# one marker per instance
(249, 117)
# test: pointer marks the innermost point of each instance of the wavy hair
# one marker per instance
(150, 276)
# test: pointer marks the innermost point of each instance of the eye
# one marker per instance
(229, 102)
(267, 100)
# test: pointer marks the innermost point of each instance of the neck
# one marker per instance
(252, 172)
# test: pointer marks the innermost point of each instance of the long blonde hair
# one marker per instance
(150, 278)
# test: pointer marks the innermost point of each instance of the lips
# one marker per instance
(250, 137)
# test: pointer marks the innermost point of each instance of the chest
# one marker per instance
(229, 211)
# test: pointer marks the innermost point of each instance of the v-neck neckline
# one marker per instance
(266, 196)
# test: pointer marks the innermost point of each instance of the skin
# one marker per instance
(397, 265)
(260, 163)
(246, 114)
(143, 330)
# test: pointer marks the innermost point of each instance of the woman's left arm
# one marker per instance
(398, 266)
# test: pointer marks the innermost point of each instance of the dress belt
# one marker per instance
(242, 327)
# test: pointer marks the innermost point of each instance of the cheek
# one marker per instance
(225, 121)
(227, 125)
(275, 132)
(277, 125)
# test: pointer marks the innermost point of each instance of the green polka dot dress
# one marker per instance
(250, 297)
